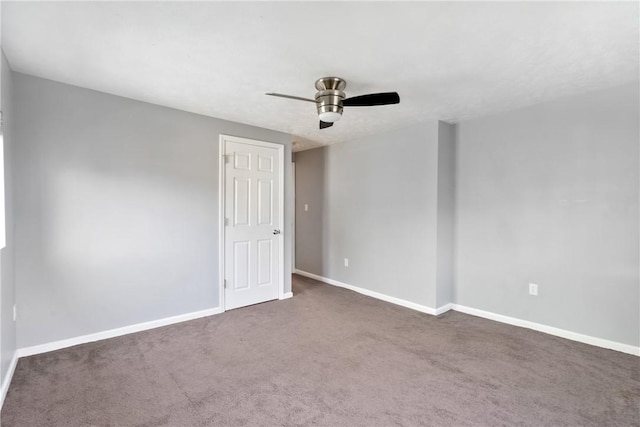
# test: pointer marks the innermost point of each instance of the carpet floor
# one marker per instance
(328, 357)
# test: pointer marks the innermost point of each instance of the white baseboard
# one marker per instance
(6, 381)
(57, 345)
(287, 295)
(444, 309)
(563, 333)
(377, 295)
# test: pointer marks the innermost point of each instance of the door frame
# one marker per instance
(221, 210)
(293, 216)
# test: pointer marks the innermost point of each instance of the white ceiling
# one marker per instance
(448, 60)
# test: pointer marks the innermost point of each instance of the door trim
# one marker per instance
(221, 210)
(293, 216)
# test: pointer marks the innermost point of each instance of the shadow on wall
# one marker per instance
(310, 189)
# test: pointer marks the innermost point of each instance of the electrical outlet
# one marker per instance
(15, 312)
(346, 262)
(306, 207)
(533, 289)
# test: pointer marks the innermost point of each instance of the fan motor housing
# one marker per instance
(330, 94)
(329, 101)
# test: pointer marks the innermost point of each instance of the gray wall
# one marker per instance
(116, 210)
(7, 284)
(379, 207)
(310, 170)
(549, 195)
(446, 214)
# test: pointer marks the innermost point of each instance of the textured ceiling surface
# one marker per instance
(448, 60)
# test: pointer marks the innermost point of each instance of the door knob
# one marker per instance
(276, 231)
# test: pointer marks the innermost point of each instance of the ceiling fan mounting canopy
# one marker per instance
(330, 99)
(330, 83)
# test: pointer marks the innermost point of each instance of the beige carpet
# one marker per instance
(328, 357)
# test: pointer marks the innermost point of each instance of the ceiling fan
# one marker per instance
(330, 99)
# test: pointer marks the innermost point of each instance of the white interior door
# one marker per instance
(253, 209)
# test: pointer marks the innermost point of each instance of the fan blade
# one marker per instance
(325, 124)
(372, 99)
(291, 97)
